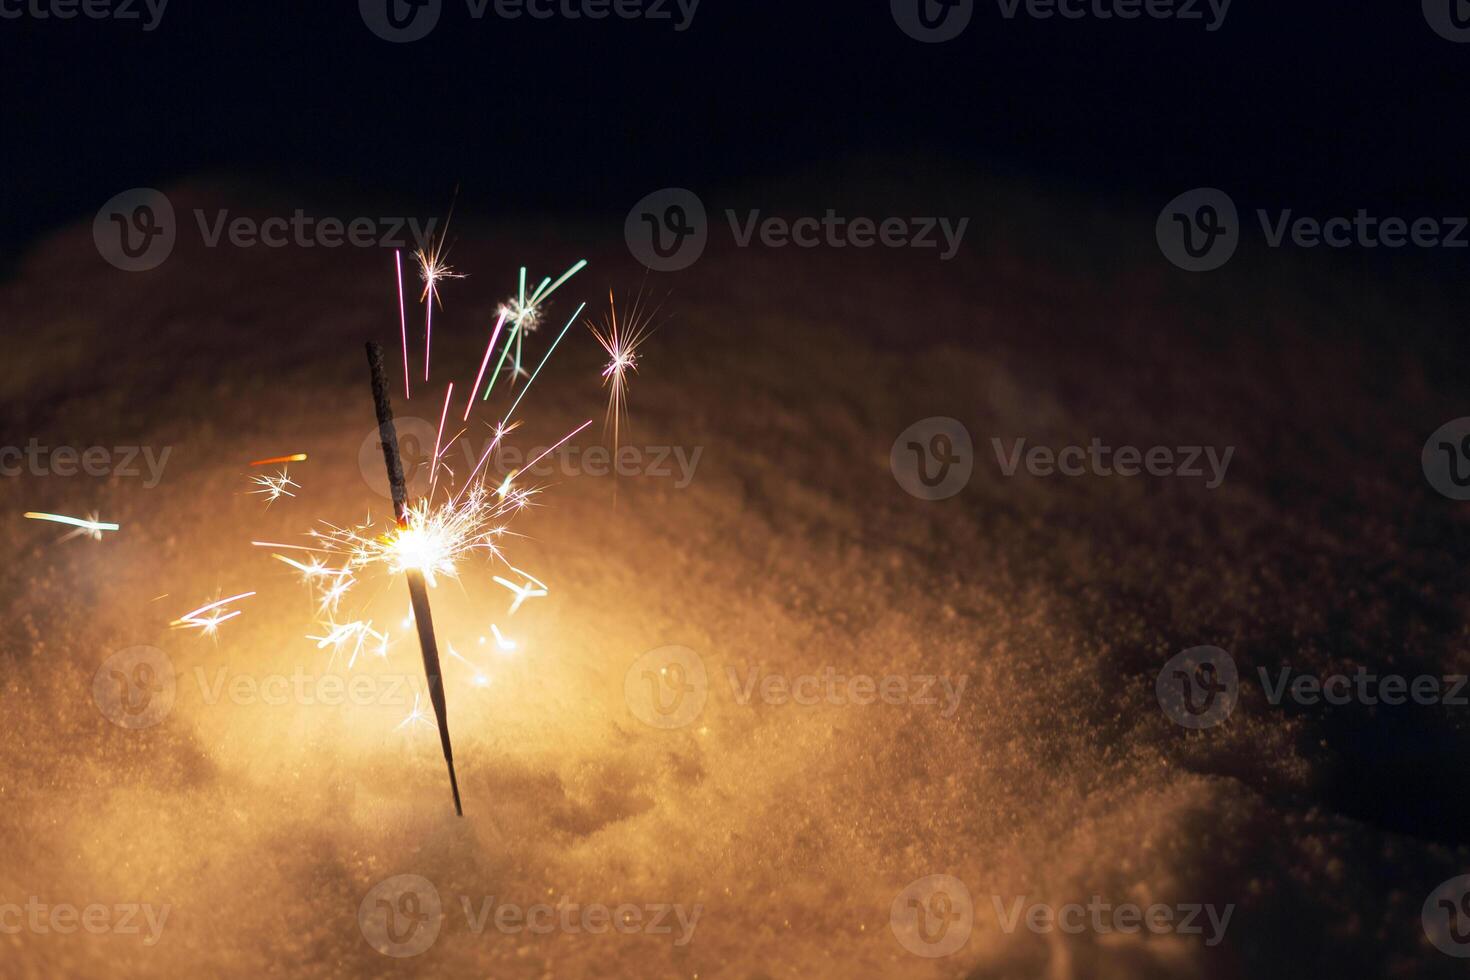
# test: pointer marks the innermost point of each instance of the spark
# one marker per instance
(416, 714)
(293, 458)
(356, 633)
(505, 645)
(532, 589)
(89, 526)
(481, 680)
(432, 268)
(402, 319)
(209, 625)
(274, 487)
(525, 315)
(620, 340)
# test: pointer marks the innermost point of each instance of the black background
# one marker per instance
(1320, 107)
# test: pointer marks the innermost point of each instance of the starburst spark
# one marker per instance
(273, 488)
(355, 636)
(218, 613)
(620, 340)
(432, 269)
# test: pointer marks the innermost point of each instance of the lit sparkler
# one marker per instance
(431, 537)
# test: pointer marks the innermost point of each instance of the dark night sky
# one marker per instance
(1323, 105)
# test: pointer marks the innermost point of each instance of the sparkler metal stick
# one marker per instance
(417, 589)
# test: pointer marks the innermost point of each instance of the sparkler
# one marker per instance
(431, 535)
(415, 547)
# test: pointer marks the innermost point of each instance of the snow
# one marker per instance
(791, 551)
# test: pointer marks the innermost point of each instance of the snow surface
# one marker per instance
(793, 549)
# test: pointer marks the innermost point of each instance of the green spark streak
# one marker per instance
(543, 363)
(514, 338)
